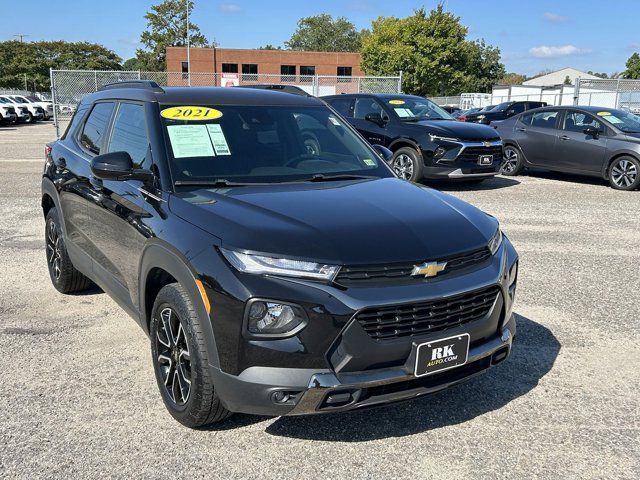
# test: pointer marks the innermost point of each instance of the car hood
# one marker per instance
(354, 222)
(461, 130)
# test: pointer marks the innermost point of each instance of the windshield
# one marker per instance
(264, 144)
(625, 121)
(21, 99)
(417, 108)
(34, 99)
(502, 107)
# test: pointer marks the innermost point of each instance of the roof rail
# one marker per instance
(146, 84)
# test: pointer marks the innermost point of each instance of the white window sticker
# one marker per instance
(369, 162)
(190, 141)
(334, 120)
(403, 112)
(218, 139)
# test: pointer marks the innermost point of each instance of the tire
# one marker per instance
(624, 173)
(31, 118)
(181, 360)
(407, 164)
(512, 164)
(64, 276)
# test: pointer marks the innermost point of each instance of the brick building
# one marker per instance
(248, 64)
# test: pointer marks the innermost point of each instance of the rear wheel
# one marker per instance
(624, 173)
(407, 164)
(181, 360)
(512, 163)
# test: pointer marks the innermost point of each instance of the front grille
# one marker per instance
(472, 154)
(11, 110)
(368, 275)
(426, 317)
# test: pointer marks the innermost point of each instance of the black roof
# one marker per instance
(202, 96)
(383, 96)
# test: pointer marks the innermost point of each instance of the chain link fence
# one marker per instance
(619, 93)
(69, 86)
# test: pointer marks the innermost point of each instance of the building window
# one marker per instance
(344, 72)
(306, 72)
(287, 73)
(229, 68)
(250, 71)
(185, 70)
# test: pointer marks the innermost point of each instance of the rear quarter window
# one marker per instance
(95, 127)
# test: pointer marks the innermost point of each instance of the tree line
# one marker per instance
(431, 48)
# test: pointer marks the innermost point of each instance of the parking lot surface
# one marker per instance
(79, 397)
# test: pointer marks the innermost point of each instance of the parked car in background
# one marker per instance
(426, 141)
(21, 111)
(502, 111)
(34, 112)
(47, 107)
(294, 89)
(7, 114)
(461, 116)
(453, 111)
(595, 141)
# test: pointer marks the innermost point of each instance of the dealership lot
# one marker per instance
(79, 395)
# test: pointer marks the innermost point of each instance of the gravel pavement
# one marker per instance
(78, 397)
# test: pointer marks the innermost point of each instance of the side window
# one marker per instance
(75, 120)
(129, 134)
(95, 127)
(517, 108)
(365, 106)
(578, 122)
(342, 106)
(546, 119)
(525, 119)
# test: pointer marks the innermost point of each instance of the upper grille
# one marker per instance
(471, 154)
(366, 275)
(426, 317)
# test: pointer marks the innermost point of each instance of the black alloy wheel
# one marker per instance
(174, 360)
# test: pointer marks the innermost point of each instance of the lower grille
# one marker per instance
(472, 154)
(426, 317)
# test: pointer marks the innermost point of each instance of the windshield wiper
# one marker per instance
(331, 178)
(218, 182)
(418, 119)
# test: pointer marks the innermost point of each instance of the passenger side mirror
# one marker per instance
(117, 166)
(384, 152)
(376, 118)
(592, 131)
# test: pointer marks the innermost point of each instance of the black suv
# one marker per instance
(273, 258)
(425, 140)
(502, 112)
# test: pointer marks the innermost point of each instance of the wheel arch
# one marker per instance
(404, 142)
(51, 199)
(607, 165)
(160, 265)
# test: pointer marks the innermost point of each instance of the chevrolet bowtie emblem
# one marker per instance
(429, 269)
(486, 144)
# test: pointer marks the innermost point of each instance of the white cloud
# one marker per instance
(230, 8)
(554, 17)
(544, 51)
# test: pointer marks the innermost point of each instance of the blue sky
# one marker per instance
(532, 35)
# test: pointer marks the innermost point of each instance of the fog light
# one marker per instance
(273, 318)
(439, 152)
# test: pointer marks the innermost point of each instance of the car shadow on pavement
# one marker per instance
(488, 184)
(534, 353)
(566, 177)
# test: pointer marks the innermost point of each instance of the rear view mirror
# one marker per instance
(376, 118)
(117, 166)
(384, 152)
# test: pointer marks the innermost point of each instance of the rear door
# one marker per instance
(577, 151)
(537, 133)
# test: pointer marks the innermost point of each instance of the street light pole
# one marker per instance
(188, 55)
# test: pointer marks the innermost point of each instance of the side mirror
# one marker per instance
(117, 166)
(592, 131)
(384, 152)
(375, 118)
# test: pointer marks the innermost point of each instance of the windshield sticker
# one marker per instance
(403, 112)
(218, 139)
(604, 114)
(369, 162)
(191, 113)
(334, 120)
(612, 119)
(190, 141)
(396, 102)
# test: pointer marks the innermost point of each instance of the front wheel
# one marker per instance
(407, 164)
(181, 360)
(512, 163)
(624, 173)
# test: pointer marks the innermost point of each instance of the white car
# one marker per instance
(11, 114)
(46, 106)
(34, 112)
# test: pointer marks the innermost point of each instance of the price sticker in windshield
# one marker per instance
(396, 102)
(191, 113)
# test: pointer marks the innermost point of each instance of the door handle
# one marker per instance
(520, 129)
(564, 137)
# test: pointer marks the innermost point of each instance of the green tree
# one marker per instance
(512, 78)
(633, 67)
(321, 33)
(34, 59)
(433, 53)
(131, 64)
(567, 80)
(167, 27)
(268, 46)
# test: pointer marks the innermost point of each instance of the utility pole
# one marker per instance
(188, 56)
(26, 89)
(21, 36)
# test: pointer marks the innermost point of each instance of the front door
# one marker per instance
(578, 151)
(374, 133)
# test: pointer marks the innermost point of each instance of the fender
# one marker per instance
(161, 255)
(406, 140)
(50, 189)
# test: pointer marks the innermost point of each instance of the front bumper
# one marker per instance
(282, 391)
(458, 173)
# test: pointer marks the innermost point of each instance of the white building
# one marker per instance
(557, 78)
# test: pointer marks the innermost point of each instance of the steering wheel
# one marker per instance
(299, 158)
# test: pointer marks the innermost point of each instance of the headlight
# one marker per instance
(495, 242)
(443, 139)
(273, 318)
(480, 117)
(259, 264)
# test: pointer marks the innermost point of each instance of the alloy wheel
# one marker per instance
(624, 173)
(174, 360)
(53, 250)
(403, 166)
(510, 162)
